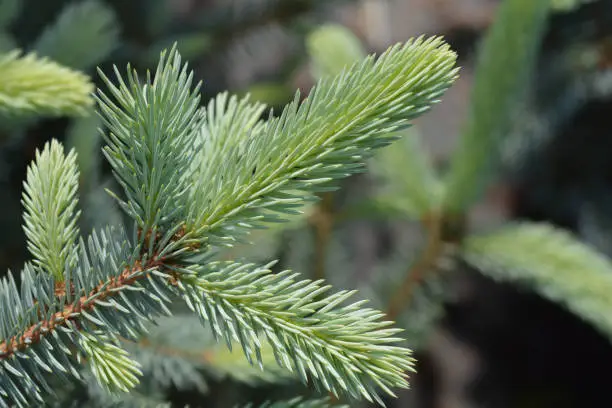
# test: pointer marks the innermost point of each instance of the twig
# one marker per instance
(72, 312)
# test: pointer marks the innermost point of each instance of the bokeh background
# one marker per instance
(493, 345)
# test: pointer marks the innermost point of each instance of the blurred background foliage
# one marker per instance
(480, 343)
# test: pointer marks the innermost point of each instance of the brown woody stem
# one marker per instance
(72, 312)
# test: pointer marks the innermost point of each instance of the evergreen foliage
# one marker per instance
(108, 362)
(198, 184)
(343, 347)
(37, 86)
(50, 201)
(118, 285)
(322, 139)
(151, 143)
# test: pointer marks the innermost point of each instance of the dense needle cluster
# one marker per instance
(195, 179)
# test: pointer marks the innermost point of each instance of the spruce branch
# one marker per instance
(118, 285)
(223, 143)
(82, 36)
(42, 321)
(229, 122)
(248, 169)
(323, 139)
(343, 347)
(551, 262)
(50, 201)
(37, 86)
(153, 129)
(503, 71)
